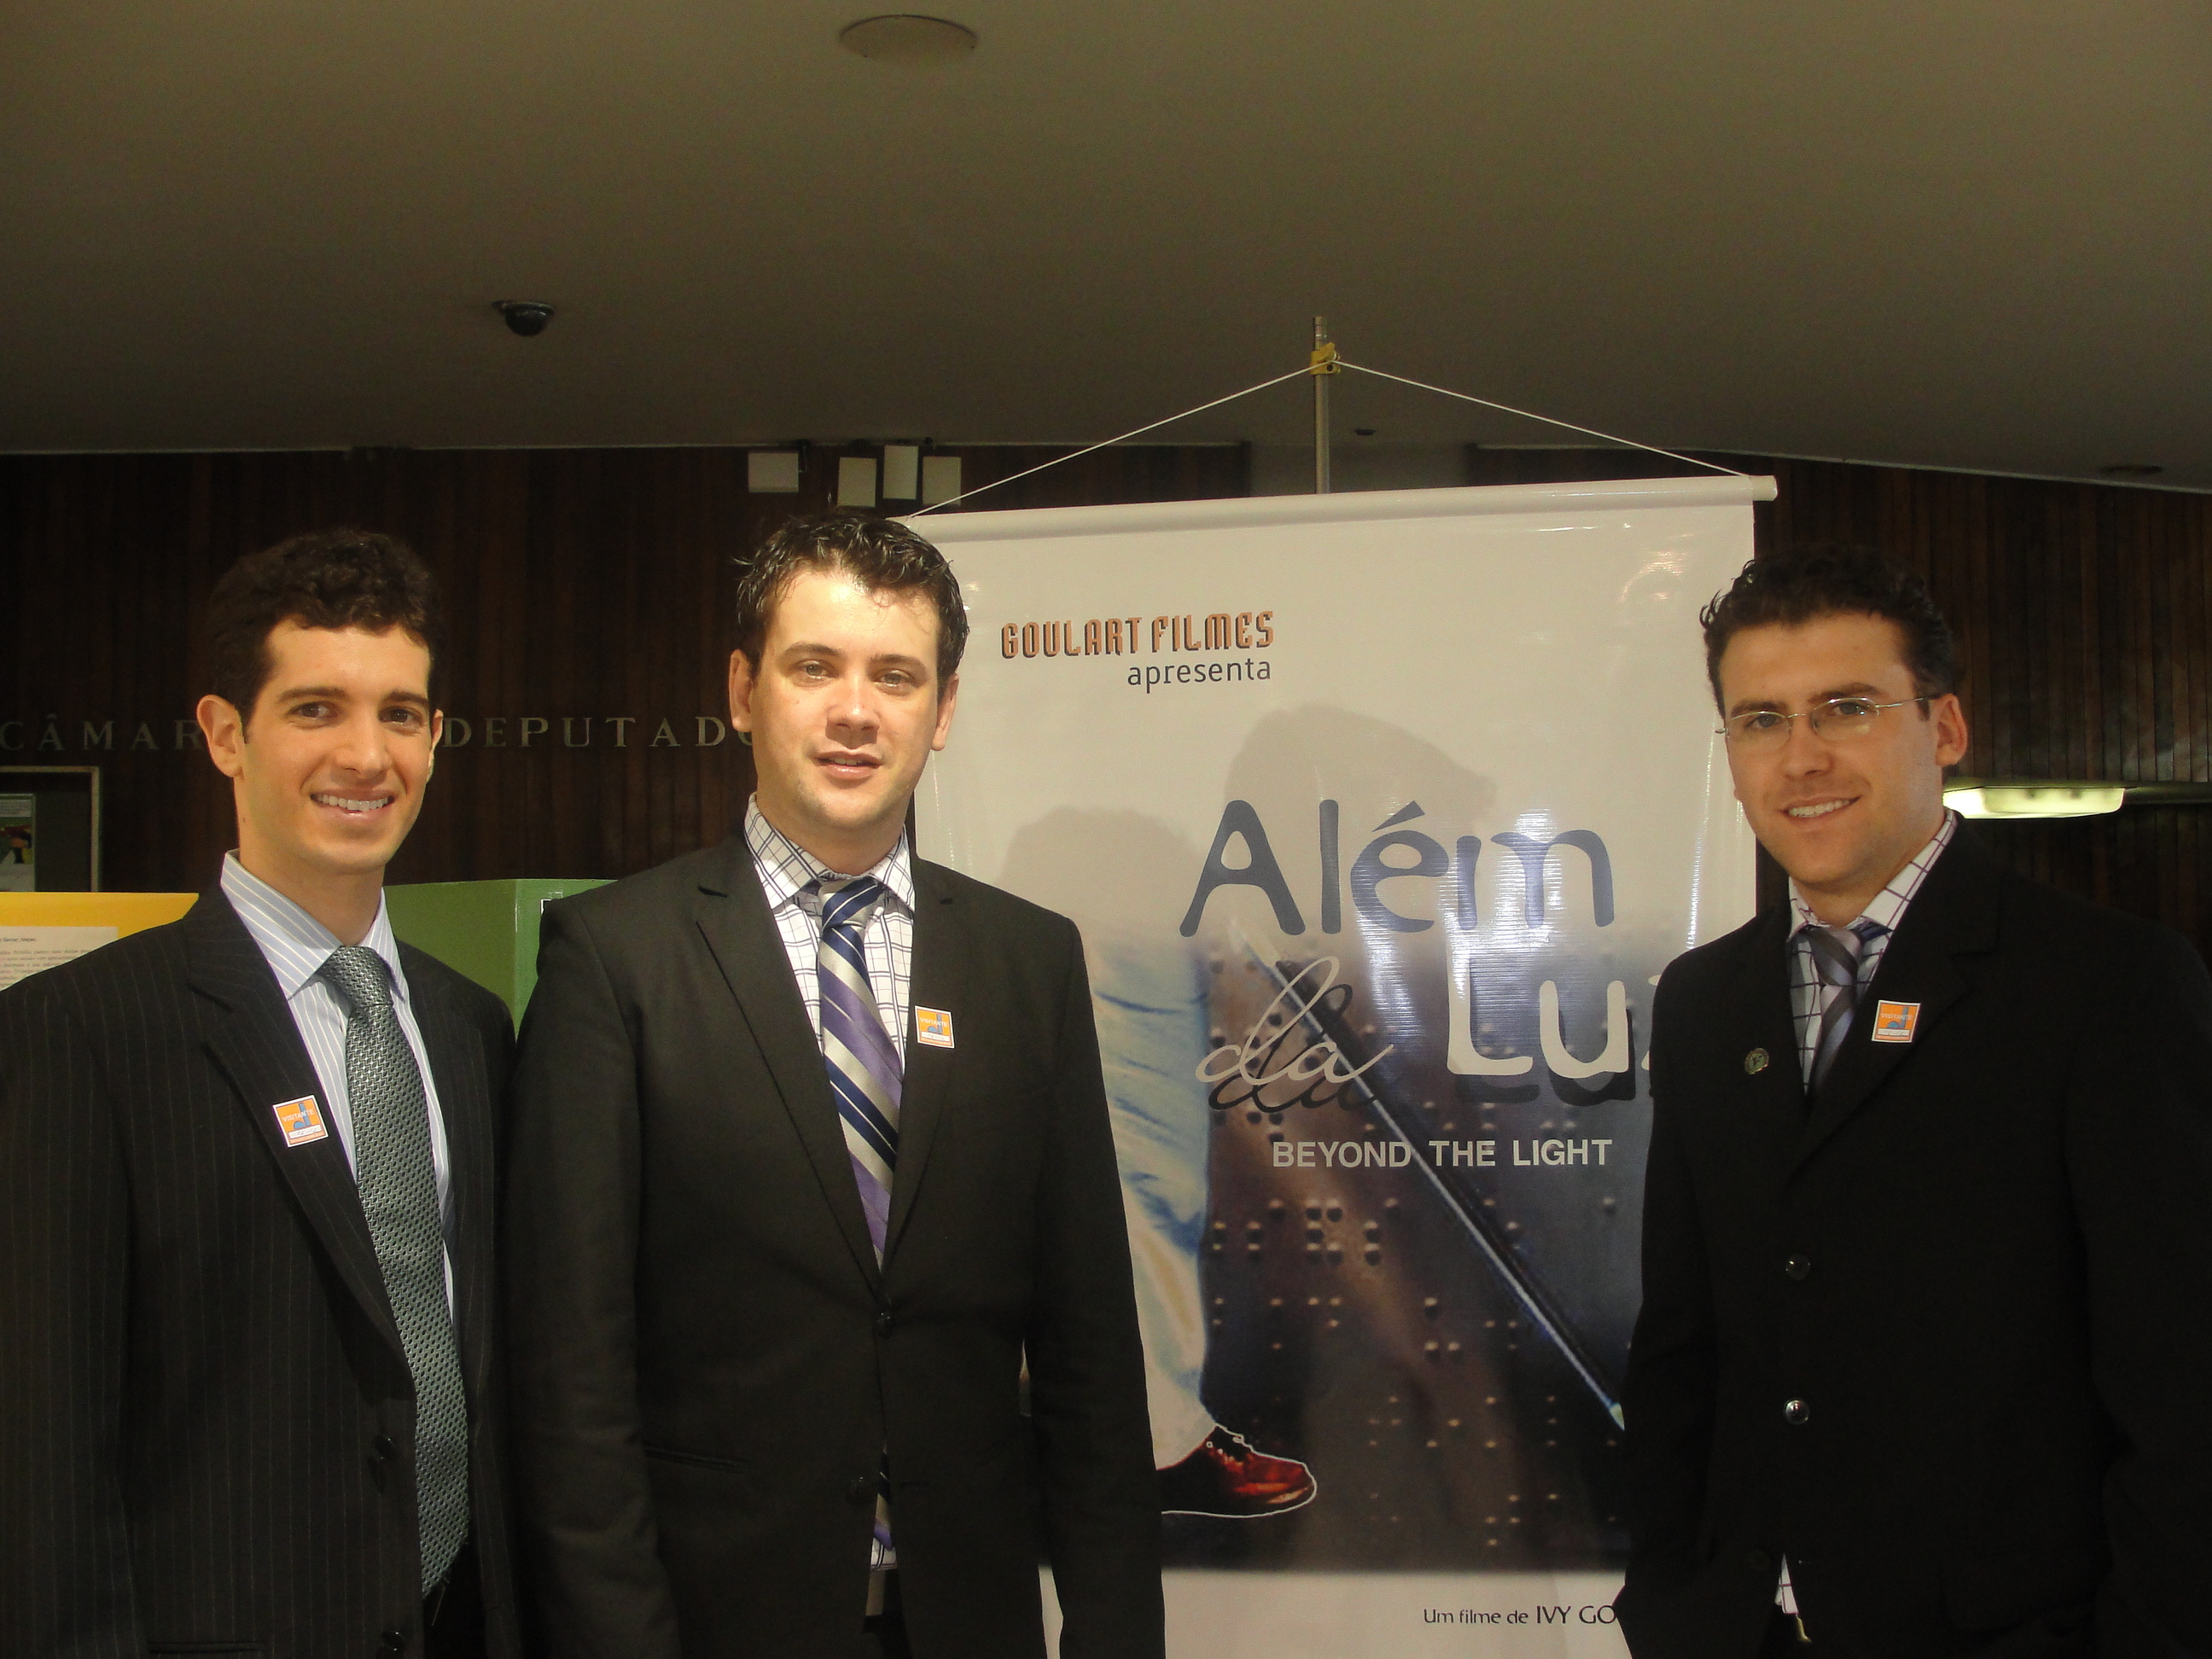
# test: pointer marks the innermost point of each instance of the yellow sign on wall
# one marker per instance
(39, 931)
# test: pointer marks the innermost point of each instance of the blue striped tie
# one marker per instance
(862, 1060)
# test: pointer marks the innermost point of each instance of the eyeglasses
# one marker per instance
(1840, 719)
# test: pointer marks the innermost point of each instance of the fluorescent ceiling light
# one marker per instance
(2035, 801)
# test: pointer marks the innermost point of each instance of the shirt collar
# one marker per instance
(786, 867)
(1885, 909)
(295, 943)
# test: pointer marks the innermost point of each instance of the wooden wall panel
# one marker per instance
(588, 590)
(2084, 619)
(594, 585)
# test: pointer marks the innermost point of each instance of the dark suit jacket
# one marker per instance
(1981, 1261)
(209, 1423)
(709, 1365)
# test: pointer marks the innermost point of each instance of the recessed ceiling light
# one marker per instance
(2131, 470)
(901, 38)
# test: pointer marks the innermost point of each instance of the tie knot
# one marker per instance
(847, 903)
(1836, 953)
(360, 977)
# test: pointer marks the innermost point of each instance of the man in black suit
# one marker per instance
(1921, 1364)
(246, 1337)
(812, 1152)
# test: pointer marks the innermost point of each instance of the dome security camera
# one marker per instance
(525, 316)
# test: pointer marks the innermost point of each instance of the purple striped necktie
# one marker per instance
(863, 1062)
(865, 1074)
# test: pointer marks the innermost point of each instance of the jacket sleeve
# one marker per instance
(1102, 1516)
(592, 1571)
(2139, 1157)
(1668, 1398)
(65, 1569)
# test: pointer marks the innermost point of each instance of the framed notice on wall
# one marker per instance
(49, 829)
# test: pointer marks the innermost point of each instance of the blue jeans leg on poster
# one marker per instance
(1151, 1035)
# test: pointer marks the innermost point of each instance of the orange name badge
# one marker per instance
(1893, 1022)
(933, 1026)
(301, 1120)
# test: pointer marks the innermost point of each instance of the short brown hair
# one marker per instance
(1803, 584)
(330, 579)
(882, 556)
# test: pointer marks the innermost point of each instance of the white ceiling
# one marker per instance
(1974, 233)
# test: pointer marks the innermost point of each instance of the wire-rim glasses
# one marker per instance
(1840, 719)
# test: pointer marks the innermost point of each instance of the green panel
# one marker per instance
(485, 929)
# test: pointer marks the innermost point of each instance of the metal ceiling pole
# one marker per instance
(1322, 364)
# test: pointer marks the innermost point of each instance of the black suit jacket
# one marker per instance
(1982, 1262)
(209, 1423)
(709, 1365)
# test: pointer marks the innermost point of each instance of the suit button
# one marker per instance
(381, 1447)
(395, 1641)
(1798, 1265)
(860, 1489)
(883, 1323)
(1797, 1412)
(1761, 1561)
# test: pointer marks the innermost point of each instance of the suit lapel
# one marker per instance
(457, 1070)
(254, 1040)
(1954, 914)
(937, 950)
(732, 916)
(1769, 1060)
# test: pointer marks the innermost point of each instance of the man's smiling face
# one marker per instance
(844, 709)
(1841, 818)
(328, 766)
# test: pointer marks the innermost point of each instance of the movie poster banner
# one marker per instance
(1381, 814)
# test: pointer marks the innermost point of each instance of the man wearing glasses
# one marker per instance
(1926, 1263)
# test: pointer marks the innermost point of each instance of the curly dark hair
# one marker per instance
(1804, 583)
(330, 579)
(884, 556)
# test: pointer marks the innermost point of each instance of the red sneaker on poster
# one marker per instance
(1227, 1475)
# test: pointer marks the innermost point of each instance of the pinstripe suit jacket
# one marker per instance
(206, 1421)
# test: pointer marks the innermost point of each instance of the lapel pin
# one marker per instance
(1754, 1062)
(1893, 1022)
(300, 1119)
(933, 1026)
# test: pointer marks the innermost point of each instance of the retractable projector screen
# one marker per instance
(1380, 814)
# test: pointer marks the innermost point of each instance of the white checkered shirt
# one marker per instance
(785, 869)
(1809, 994)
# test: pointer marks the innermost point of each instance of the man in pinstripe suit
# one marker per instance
(248, 1382)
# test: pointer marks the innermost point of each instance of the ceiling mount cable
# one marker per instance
(1316, 367)
(1531, 415)
(1139, 431)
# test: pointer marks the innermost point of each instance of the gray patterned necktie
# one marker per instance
(1836, 959)
(398, 1184)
